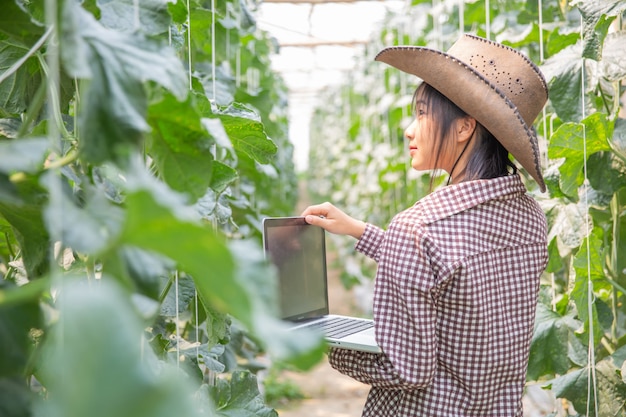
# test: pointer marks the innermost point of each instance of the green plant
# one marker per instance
(140, 145)
(278, 388)
(579, 345)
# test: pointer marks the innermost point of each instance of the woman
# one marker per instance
(458, 272)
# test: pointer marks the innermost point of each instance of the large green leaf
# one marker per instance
(16, 321)
(238, 397)
(115, 67)
(589, 273)
(240, 289)
(564, 74)
(574, 141)
(186, 291)
(17, 91)
(20, 318)
(605, 381)
(181, 147)
(15, 21)
(246, 132)
(87, 229)
(94, 362)
(550, 344)
(24, 155)
(199, 251)
(618, 141)
(614, 56)
(597, 16)
(148, 16)
(27, 223)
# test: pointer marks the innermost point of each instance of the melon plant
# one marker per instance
(141, 143)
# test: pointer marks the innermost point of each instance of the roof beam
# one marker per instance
(316, 1)
(313, 44)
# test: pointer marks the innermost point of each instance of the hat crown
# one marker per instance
(513, 74)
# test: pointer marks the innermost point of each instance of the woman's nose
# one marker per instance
(409, 132)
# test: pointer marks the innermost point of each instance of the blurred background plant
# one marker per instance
(142, 142)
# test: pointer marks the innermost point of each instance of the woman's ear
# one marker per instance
(465, 128)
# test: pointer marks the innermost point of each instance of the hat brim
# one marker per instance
(475, 95)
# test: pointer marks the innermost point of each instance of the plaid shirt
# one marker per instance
(454, 303)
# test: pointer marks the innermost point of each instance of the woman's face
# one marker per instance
(421, 139)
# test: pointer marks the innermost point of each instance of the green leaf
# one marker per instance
(590, 263)
(573, 141)
(200, 252)
(214, 207)
(181, 147)
(564, 74)
(88, 229)
(17, 91)
(597, 16)
(589, 273)
(611, 390)
(146, 269)
(15, 21)
(222, 177)
(9, 127)
(239, 397)
(99, 333)
(148, 16)
(116, 65)
(549, 345)
(186, 292)
(618, 140)
(23, 155)
(247, 133)
(614, 56)
(157, 221)
(26, 221)
(217, 326)
(16, 321)
(568, 224)
(572, 386)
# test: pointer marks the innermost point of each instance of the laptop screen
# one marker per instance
(298, 251)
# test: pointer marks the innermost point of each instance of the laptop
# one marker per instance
(298, 251)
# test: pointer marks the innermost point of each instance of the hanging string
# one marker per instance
(195, 291)
(545, 136)
(461, 17)
(487, 20)
(189, 44)
(177, 319)
(213, 16)
(591, 359)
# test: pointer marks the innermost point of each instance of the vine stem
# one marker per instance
(13, 68)
(65, 160)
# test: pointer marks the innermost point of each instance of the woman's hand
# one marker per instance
(333, 220)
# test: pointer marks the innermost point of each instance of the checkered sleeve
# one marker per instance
(370, 241)
(369, 368)
(403, 312)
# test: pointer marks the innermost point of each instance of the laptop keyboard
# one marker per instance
(338, 327)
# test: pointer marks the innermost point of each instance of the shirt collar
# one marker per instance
(456, 198)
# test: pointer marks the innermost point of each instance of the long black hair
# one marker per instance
(488, 158)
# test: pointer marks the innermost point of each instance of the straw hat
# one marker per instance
(495, 84)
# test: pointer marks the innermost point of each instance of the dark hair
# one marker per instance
(489, 159)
